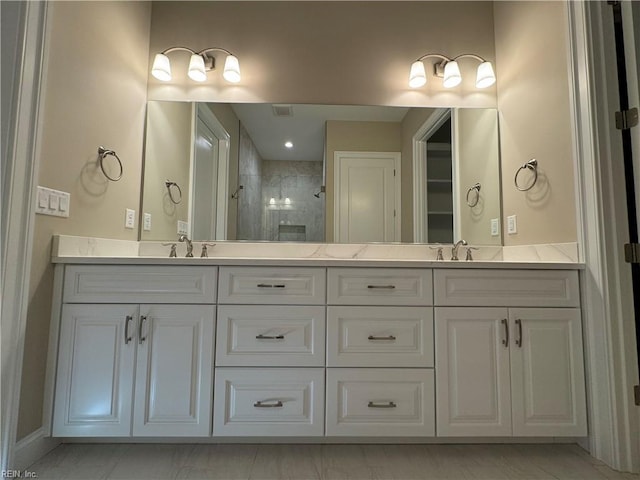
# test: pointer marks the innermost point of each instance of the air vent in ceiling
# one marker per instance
(282, 110)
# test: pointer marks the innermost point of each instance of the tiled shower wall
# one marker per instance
(250, 197)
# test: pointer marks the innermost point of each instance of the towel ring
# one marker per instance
(530, 165)
(104, 152)
(475, 188)
(170, 184)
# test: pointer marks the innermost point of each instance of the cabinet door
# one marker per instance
(547, 373)
(95, 371)
(174, 370)
(473, 395)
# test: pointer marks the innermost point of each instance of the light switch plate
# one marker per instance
(129, 218)
(53, 202)
(512, 225)
(146, 222)
(495, 227)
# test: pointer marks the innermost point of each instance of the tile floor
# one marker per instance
(302, 462)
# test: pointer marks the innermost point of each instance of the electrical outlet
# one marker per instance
(495, 227)
(512, 225)
(129, 218)
(183, 228)
(146, 225)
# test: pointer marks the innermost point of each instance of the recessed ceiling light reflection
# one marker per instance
(288, 144)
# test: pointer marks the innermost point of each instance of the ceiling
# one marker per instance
(304, 128)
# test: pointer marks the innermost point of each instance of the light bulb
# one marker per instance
(417, 75)
(287, 201)
(272, 201)
(231, 71)
(452, 77)
(196, 71)
(485, 76)
(161, 67)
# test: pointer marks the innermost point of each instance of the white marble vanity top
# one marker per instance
(90, 250)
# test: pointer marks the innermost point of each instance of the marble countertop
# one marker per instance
(89, 250)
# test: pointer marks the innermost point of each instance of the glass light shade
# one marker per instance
(417, 75)
(452, 77)
(161, 67)
(485, 76)
(231, 71)
(196, 72)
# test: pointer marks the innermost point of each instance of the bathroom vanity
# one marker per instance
(318, 347)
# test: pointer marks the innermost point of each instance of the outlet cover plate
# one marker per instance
(495, 227)
(146, 224)
(129, 218)
(512, 225)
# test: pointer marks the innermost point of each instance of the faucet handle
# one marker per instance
(439, 253)
(469, 257)
(172, 253)
(205, 253)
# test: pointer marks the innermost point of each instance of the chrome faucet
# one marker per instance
(184, 238)
(456, 246)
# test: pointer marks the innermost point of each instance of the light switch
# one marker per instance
(43, 198)
(64, 204)
(54, 201)
(512, 225)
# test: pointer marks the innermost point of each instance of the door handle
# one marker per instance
(269, 337)
(373, 337)
(386, 287)
(141, 339)
(269, 285)
(505, 340)
(127, 322)
(268, 404)
(519, 339)
(382, 405)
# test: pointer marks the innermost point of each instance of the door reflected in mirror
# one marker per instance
(321, 173)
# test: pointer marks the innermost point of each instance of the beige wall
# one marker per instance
(324, 52)
(167, 157)
(355, 137)
(94, 94)
(478, 162)
(535, 121)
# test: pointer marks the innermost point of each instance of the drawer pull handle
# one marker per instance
(268, 404)
(385, 287)
(269, 337)
(373, 337)
(519, 339)
(505, 340)
(141, 339)
(127, 322)
(269, 285)
(382, 405)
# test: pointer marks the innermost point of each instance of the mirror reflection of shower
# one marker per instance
(277, 201)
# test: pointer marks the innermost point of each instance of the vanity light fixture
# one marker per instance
(199, 64)
(449, 70)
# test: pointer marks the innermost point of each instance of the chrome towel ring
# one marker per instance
(169, 184)
(105, 152)
(474, 200)
(530, 165)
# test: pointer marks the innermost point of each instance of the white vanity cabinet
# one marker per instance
(134, 368)
(509, 371)
(380, 324)
(270, 352)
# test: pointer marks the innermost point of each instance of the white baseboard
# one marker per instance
(32, 448)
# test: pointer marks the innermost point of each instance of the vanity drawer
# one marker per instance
(139, 284)
(379, 286)
(299, 286)
(380, 336)
(380, 402)
(270, 336)
(525, 288)
(269, 401)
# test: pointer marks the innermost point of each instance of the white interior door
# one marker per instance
(367, 203)
(205, 182)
